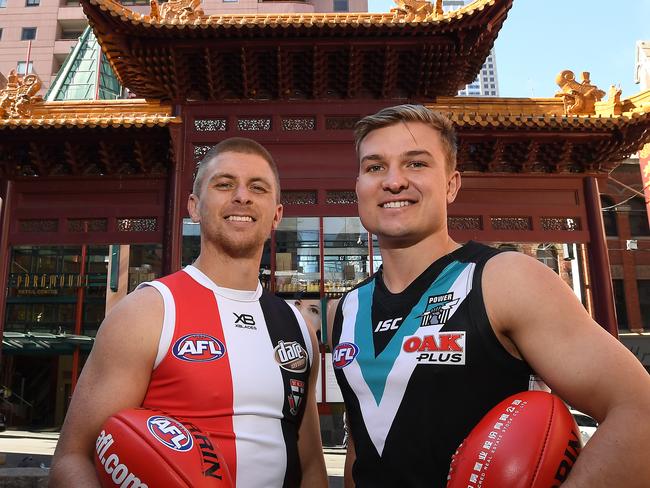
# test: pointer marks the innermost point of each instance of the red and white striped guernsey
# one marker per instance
(236, 364)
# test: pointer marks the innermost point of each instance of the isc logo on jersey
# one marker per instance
(198, 348)
(441, 348)
(291, 356)
(344, 354)
(170, 432)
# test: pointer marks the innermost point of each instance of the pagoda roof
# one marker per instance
(396, 55)
(93, 113)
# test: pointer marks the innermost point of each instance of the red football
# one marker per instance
(529, 440)
(142, 448)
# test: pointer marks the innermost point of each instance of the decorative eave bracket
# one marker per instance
(20, 94)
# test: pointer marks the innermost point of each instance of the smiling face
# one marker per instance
(237, 204)
(404, 184)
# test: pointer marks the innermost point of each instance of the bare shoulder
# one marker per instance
(139, 314)
(518, 289)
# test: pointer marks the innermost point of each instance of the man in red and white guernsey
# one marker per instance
(207, 344)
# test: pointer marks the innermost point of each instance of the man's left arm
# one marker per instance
(310, 447)
(537, 316)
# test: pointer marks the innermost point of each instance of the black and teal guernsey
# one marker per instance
(419, 369)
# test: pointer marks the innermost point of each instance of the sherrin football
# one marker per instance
(529, 440)
(142, 448)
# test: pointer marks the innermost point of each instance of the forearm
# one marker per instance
(73, 471)
(350, 456)
(617, 453)
(314, 475)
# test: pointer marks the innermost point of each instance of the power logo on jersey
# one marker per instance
(291, 356)
(344, 354)
(170, 432)
(438, 309)
(198, 348)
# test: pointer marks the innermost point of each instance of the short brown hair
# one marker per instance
(239, 145)
(411, 113)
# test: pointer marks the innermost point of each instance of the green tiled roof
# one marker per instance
(78, 78)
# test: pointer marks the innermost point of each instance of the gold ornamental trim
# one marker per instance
(20, 94)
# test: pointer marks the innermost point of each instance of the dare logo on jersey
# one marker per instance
(170, 432)
(344, 354)
(291, 356)
(198, 348)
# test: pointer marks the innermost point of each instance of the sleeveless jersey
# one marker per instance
(419, 369)
(235, 364)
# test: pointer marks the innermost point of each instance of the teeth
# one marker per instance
(239, 218)
(396, 204)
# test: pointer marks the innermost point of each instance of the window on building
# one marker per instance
(638, 218)
(644, 301)
(619, 302)
(547, 254)
(32, 3)
(20, 68)
(609, 216)
(0, 32)
(341, 6)
(28, 34)
(70, 34)
(3, 3)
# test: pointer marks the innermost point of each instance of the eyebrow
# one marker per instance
(229, 176)
(407, 154)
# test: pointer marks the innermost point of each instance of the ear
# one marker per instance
(453, 185)
(193, 208)
(278, 216)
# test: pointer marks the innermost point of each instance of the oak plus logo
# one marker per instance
(198, 348)
(438, 309)
(444, 348)
(344, 354)
(170, 432)
(291, 356)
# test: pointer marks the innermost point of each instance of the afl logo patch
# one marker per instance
(291, 356)
(344, 354)
(198, 348)
(170, 432)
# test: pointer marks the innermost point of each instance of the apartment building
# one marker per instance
(37, 35)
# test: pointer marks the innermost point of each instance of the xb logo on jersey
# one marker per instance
(438, 309)
(198, 348)
(344, 354)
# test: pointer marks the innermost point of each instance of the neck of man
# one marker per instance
(402, 264)
(238, 273)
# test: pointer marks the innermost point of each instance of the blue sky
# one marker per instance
(540, 38)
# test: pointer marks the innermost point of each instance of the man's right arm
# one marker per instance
(115, 377)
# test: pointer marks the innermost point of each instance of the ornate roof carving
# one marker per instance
(579, 98)
(92, 113)
(182, 11)
(20, 94)
(417, 10)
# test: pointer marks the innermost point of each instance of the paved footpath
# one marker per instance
(24, 449)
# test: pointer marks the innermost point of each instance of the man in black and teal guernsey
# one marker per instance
(443, 331)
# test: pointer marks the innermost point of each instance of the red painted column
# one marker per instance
(175, 202)
(5, 254)
(597, 254)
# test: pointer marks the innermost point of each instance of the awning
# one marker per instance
(44, 343)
